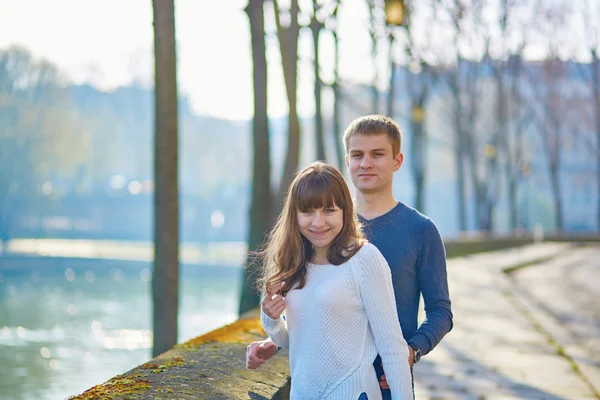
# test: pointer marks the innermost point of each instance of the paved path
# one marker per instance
(566, 291)
(503, 345)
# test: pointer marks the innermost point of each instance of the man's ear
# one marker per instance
(347, 162)
(398, 160)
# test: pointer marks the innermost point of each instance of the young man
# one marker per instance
(409, 241)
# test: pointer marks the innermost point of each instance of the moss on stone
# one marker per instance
(241, 331)
(115, 388)
(211, 366)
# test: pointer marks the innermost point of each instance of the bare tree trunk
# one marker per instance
(373, 34)
(553, 138)
(478, 187)
(462, 212)
(419, 91)
(514, 169)
(596, 86)
(315, 27)
(418, 156)
(459, 153)
(558, 210)
(391, 92)
(165, 279)
(288, 45)
(260, 207)
(505, 99)
(512, 203)
(337, 124)
(514, 150)
(500, 146)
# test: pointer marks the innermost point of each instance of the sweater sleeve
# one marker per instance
(377, 295)
(433, 281)
(276, 329)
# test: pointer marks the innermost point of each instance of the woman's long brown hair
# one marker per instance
(287, 251)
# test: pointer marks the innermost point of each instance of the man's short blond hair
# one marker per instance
(372, 125)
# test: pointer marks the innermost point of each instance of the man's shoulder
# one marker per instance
(417, 220)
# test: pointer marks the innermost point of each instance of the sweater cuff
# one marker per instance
(270, 324)
(421, 342)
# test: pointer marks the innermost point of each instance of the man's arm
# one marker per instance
(433, 282)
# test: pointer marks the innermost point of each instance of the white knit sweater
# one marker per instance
(336, 325)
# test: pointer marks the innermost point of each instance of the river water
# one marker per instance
(66, 324)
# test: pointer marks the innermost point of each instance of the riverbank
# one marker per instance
(500, 348)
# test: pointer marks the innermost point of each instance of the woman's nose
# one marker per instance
(317, 220)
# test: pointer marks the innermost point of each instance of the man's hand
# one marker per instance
(257, 353)
(411, 356)
(411, 360)
(274, 303)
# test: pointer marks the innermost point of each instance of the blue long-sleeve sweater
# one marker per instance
(413, 248)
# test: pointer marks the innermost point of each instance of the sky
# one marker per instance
(109, 43)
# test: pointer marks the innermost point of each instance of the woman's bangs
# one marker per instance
(314, 192)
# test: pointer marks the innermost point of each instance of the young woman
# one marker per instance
(329, 296)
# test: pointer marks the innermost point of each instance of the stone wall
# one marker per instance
(211, 366)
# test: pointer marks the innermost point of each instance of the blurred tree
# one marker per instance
(261, 210)
(393, 75)
(337, 123)
(552, 129)
(39, 130)
(460, 142)
(517, 161)
(596, 86)
(288, 45)
(316, 26)
(475, 144)
(419, 87)
(511, 113)
(507, 135)
(376, 23)
(553, 96)
(591, 22)
(165, 279)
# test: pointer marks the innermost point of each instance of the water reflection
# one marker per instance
(66, 325)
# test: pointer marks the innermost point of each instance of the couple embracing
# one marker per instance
(342, 278)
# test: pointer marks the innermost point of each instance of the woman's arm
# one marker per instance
(276, 329)
(377, 294)
(272, 309)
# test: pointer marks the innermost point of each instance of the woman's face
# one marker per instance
(320, 226)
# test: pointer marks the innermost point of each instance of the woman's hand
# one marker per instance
(273, 304)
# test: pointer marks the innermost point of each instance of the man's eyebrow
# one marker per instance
(370, 150)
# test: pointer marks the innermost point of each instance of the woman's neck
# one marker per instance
(319, 256)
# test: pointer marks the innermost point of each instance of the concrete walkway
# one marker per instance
(502, 345)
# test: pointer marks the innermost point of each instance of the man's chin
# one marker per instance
(367, 188)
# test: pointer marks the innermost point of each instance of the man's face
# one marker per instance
(371, 162)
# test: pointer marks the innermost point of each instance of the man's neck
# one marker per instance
(373, 205)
